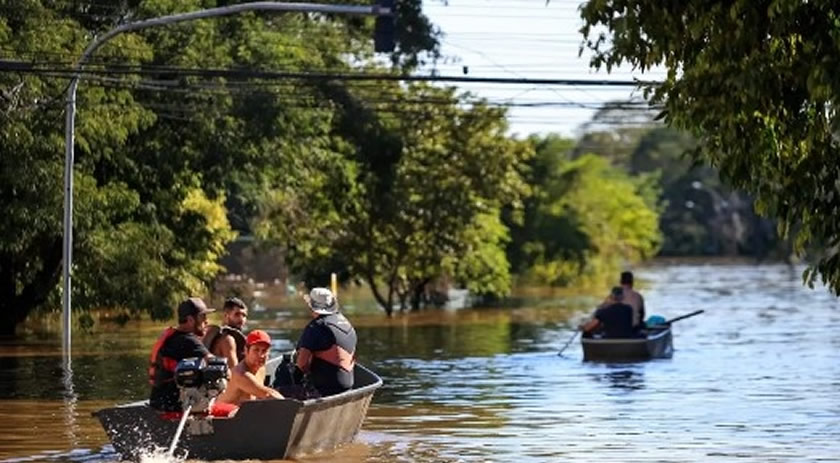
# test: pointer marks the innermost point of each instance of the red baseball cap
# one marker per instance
(257, 336)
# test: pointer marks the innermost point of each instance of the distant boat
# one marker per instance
(268, 429)
(657, 343)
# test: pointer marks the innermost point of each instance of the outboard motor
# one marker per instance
(200, 381)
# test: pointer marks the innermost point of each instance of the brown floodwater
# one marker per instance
(756, 378)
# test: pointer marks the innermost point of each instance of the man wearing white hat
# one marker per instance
(326, 350)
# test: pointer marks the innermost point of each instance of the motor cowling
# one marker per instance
(200, 381)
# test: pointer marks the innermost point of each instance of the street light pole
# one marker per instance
(70, 120)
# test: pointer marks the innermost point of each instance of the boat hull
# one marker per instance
(656, 345)
(261, 429)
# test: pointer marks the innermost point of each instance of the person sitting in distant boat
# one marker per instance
(632, 298)
(613, 320)
(227, 340)
(326, 351)
(248, 377)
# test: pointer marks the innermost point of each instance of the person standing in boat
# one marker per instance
(632, 298)
(326, 351)
(228, 340)
(614, 319)
(174, 345)
(248, 377)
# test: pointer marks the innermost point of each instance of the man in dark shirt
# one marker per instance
(174, 345)
(326, 350)
(614, 320)
(630, 297)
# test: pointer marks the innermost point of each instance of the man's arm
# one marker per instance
(227, 349)
(314, 339)
(304, 359)
(641, 309)
(592, 323)
(248, 383)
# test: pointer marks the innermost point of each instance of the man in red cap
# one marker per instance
(247, 378)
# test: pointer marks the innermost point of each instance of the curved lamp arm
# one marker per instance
(70, 119)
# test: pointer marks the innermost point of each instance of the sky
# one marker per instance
(526, 39)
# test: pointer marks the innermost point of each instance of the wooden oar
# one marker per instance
(683, 317)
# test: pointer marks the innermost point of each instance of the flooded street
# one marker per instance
(756, 378)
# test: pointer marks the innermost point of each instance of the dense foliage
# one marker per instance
(585, 220)
(161, 158)
(417, 197)
(756, 82)
(701, 216)
(402, 187)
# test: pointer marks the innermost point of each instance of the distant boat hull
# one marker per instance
(657, 344)
(260, 430)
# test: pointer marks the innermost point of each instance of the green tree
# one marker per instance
(585, 217)
(158, 157)
(31, 167)
(701, 215)
(755, 82)
(417, 197)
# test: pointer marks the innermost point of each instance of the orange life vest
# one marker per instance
(158, 365)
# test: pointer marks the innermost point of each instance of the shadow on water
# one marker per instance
(621, 378)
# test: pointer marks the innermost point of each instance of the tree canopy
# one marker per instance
(161, 157)
(416, 197)
(585, 218)
(701, 215)
(756, 82)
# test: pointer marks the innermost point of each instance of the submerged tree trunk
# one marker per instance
(418, 290)
(384, 302)
(403, 289)
(389, 309)
(403, 301)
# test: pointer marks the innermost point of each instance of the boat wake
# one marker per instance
(106, 455)
(159, 455)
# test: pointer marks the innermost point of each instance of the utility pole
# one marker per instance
(379, 10)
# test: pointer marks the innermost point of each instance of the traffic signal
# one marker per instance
(383, 32)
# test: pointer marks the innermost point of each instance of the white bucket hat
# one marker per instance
(322, 301)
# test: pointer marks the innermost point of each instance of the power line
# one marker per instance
(287, 90)
(33, 68)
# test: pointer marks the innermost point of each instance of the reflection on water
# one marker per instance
(756, 378)
(70, 400)
(622, 379)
